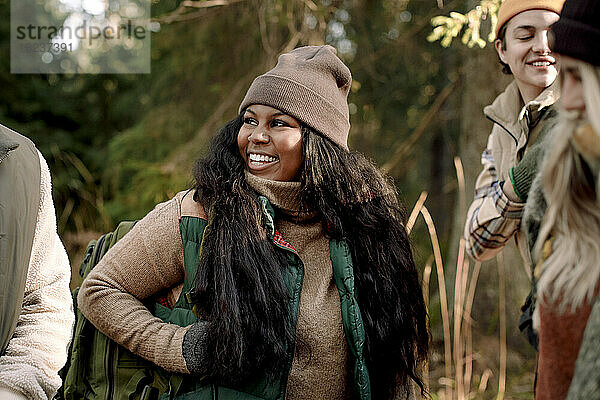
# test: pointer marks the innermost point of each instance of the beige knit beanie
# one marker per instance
(311, 84)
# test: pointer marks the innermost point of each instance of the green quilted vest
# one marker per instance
(98, 368)
(192, 229)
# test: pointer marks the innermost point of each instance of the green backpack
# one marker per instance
(98, 368)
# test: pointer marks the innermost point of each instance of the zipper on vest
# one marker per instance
(296, 295)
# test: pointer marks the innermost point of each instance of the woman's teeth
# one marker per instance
(541, 64)
(262, 158)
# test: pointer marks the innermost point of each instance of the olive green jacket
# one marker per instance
(19, 201)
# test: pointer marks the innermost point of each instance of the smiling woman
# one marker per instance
(525, 49)
(270, 143)
(305, 284)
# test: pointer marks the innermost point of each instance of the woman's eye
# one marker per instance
(250, 121)
(526, 37)
(278, 122)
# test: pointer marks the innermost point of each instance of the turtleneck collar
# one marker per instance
(284, 196)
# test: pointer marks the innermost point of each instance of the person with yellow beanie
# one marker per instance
(522, 115)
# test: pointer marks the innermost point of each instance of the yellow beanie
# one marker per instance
(510, 8)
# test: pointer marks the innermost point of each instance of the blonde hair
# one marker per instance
(571, 272)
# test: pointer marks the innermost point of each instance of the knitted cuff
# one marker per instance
(194, 348)
(521, 179)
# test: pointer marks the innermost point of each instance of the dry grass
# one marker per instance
(502, 301)
(459, 357)
(437, 254)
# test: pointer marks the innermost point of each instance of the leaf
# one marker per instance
(439, 20)
(458, 16)
(455, 22)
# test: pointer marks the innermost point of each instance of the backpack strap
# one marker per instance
(122, 229)
(74, 373)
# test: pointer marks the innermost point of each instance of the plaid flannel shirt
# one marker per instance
(494, 218)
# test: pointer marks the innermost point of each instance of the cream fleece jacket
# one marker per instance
(38, 348)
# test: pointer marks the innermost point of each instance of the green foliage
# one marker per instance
(447, 28)
(137, 180)
(119, 144)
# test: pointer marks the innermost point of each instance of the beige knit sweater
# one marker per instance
(319, 369)
(150, 259)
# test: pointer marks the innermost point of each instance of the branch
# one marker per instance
(406, 38)
(171, 17)
(209, 3)
(405, 147)
(182, 13)
(298, 35)
(181, 156)
(264, 36)
(310, 4)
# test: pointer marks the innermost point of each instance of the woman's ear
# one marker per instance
(499, 49)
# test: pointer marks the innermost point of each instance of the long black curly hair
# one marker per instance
(239, 286)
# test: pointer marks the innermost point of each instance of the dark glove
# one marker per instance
(524, 172)
(526, 320)
(194, 348)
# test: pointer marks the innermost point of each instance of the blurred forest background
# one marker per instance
(118, 144)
